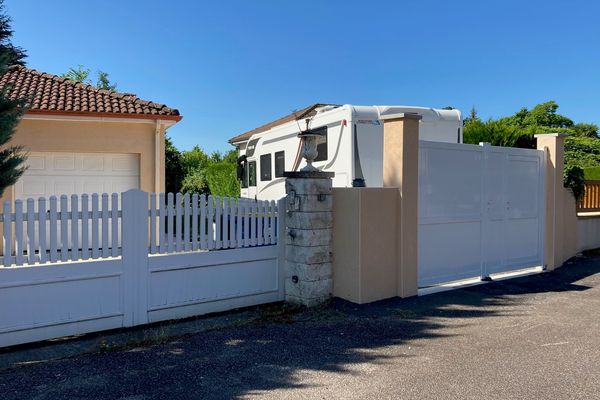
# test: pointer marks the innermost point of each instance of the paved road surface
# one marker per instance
(536, 337)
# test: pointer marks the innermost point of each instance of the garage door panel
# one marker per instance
(93, 187)
(82, 164)
(118, 186)
(56, 173)
(31, 187)
(63, 187)
(36, 162)
(92, 163)
(64, 162)
(124, 164)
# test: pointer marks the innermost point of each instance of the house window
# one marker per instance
(252, 173)
(321, 144)
(279, 164)
(265, 167)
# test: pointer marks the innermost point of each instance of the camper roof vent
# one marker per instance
(324, 109)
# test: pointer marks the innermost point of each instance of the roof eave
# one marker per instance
(175, 118)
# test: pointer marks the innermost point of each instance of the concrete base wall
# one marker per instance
(570, 236)
(588, 232)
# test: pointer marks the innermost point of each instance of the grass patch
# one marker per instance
(278, 313)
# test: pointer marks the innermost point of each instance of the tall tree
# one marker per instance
(104, 83)
(82, 74)
(174, 172)
(79, 74)
(12, 158)
(9, 53)
(582, 145)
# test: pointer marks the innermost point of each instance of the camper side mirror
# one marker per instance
(241, 161)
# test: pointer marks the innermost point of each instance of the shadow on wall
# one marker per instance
(266, 356)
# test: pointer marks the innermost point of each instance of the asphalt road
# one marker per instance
(533, 337)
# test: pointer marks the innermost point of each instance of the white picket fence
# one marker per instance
(49, 230)
(208, 223)
(82, 264)
(89, 227)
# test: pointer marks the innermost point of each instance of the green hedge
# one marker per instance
(592, 173)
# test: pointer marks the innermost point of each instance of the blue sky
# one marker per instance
(229, 66)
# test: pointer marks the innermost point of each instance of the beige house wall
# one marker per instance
(97, 137)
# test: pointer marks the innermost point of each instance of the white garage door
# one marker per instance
(77, 173)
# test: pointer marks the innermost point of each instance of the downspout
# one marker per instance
(157, 172)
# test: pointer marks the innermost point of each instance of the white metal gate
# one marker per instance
(481, 210)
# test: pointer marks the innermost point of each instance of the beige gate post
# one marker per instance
(401, 170)
(560, 230)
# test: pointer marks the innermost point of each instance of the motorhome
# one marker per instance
(350, 145)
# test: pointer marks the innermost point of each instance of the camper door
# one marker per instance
(250, 191)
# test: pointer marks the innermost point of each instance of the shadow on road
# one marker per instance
(270, 355)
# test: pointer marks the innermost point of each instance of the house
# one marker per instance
(82, 139)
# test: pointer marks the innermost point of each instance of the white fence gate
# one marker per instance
(481, 210)
(133, 260)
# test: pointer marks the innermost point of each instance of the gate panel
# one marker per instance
(524, 210)
(493, 250)
(480, 210)
(450, 203)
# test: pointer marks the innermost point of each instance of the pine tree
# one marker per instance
(12, 158)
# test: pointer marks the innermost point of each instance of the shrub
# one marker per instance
(575, 180)
(222, 179)
(592, 173)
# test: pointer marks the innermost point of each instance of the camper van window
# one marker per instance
(322, 144)
(265, 167)
(279, 164)
(252, 173)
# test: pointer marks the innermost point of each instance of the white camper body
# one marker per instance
(351, 146)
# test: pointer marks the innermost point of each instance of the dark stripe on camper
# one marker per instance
(358, 174)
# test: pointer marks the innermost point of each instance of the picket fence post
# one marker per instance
(134, 239)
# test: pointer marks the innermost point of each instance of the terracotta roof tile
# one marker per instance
(305, 112)
(58, 94)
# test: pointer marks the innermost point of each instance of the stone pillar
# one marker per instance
(553, 144)
(401, 170)
(308, 250)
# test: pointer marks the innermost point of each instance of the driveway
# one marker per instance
(532, 337)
